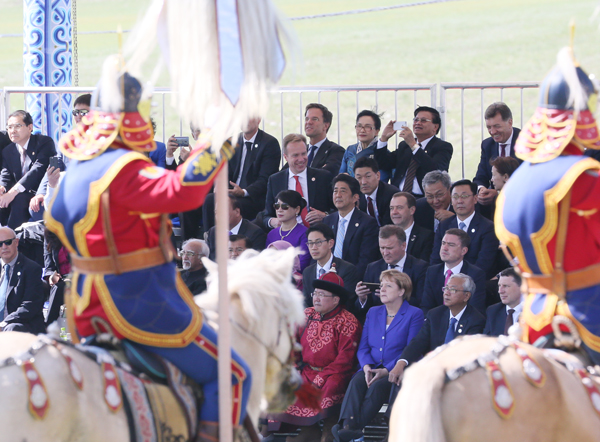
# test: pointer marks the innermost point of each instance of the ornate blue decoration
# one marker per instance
(48, 61)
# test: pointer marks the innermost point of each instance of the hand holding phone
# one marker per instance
(182, 141)
(57, 163)
(372, 285)
(399, 125)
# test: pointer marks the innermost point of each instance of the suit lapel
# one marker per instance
(463, 324)
(15, 161)
(353, 226)
(243, 228)
(16, 275)
(320, 156)
(474, 226)
(444, 323)
(398, 318)
(311, 183)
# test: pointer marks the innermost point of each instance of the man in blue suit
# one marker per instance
(502, 315)
(24, 163)
(355, 231)
(483, 250)
(392, 245)
(444, 323)
(454, 247)
(501, 143)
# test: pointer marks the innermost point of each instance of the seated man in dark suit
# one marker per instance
(437, 204)
(502, 315)
(257, 158)
(24, 163)
(419, 240)
(322, 153)
(454, 247)
(483, 250)
(309, 182)
(320, 245)
(419, 153)
(238, 226)
(237, 245)
(21, 289)
(194, 273)
(4, 141)
(376, 195)
(392, 245)
(456, 317)
(501, 143)
(355, 231)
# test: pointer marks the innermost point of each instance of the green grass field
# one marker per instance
(460, 41)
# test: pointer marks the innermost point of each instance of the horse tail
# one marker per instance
(417, 412)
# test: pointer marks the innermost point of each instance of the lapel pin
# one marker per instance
(460, 330)
(256, 145)
(413, 238)
(472, 230)
(313, 179)
(18, 273)
(356, 225)
(32, 153)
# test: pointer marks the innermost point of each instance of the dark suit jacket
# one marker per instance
(319, 191)
(25, 299)
(250, 230)
(484, 244)
(495, 320)
(433, 332)
(361, 245)
(329, 157)
(436, 156)
(592, 153)
(344, 269)
(425, 215)
(434, 282)
(195, 281)
(39, 150)
(382, 347)
(415, 269)
(420, 243)
(4, 141)
(264, 161)
(489, 151)
(385, 192)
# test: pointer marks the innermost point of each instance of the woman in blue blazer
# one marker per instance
(388, 329)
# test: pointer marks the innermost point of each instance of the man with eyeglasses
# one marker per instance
(456, 317)
(454, 246)
(24, 163)
(322, 153)
(194, 272)
(321, 241)
(419, 152)
(437, 204)
(21, 291)
(483, 251)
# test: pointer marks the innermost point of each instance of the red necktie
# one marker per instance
(509, 320)
(370, 209)
(448, 275)
(304, 211)
(503, 150)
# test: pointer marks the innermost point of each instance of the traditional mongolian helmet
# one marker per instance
(333, 283)
(563, 122)
(119, 117)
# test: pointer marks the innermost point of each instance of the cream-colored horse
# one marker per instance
(429, 408)
(266, 308)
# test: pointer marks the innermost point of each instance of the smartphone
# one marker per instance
(372, 285)
(398, 125)
(57, 163)
(182, 141)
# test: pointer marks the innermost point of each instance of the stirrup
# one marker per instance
(572, 340)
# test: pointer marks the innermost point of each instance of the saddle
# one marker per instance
(160, 402)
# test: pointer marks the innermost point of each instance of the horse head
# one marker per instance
(266, 310)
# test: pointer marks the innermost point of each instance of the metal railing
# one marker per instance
(286, 113)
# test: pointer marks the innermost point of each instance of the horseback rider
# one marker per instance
(547, 214)
(110, 211)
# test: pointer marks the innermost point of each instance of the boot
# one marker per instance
(327, 435)
(312, 433)
(208, 431)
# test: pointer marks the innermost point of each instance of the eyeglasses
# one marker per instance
(187, 253)
(437, 196)
(421, 120)
(282, 206)
(15, 126)
(319, 295)
(7, 242)
(81, 112)
(237, 250)
(366, 127)
(451, 290)
(316, 243)
(464, 196)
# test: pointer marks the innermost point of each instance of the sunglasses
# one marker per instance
(7, 242)
(282, 206)
(82, 112)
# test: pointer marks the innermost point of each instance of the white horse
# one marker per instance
(265, 306)
(432, 408)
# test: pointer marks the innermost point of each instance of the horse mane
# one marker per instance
(260, 282)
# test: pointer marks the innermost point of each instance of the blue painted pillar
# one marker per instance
(48, 61)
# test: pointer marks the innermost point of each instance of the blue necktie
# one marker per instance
(311, 155)
(339, 239)
(4, 290)
(462, 226)
(450, 333)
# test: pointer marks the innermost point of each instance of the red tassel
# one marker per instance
(309, 396)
